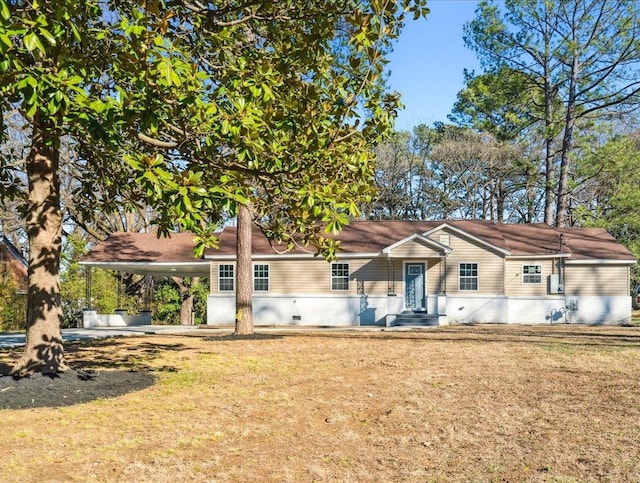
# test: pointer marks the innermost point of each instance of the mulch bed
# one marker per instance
(67, 388)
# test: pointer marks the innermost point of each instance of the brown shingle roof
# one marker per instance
(143, 247)
(366, 237)
(594, 243)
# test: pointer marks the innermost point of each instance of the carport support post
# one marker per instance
(148, 293)
(88, 314)
(119, 294)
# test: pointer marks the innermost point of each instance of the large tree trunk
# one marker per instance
(244, 273)
(549, 124)
(186, 298)
(549, 182)
(186, 308)
(549, 166)
(567, 140)
(43, 349)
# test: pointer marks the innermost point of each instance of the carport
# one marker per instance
(141, 254)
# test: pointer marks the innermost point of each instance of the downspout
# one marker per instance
(561, 278)
(561, 263)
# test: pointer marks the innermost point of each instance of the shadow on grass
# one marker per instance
(100, 369)
(121, 354)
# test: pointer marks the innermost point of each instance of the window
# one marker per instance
(261, 278)
(468, 276)
(339, 276)
(225, 278)
(532, 274)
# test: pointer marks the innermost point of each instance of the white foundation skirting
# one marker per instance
(363, 310)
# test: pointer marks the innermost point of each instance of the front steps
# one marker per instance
(414, 318)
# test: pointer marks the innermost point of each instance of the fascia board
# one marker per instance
(600, 262)
(427, 241)
(467, 235)
(538, 256)
(294, 256)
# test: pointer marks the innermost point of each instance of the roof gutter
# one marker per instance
(539, 256)
(598, 261)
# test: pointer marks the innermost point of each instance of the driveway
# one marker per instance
(15, 339)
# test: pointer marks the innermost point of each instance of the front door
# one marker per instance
(414, 286)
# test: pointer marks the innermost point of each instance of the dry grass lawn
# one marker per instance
(471, 403)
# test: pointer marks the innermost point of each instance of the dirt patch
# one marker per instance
(473, 403)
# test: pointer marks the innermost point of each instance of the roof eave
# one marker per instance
(600, 261)
(539, 256)
(427, 241)
(468, 235)
(168, 269)
(294, 256)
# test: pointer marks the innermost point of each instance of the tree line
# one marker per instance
(547, 132)
(270, 111)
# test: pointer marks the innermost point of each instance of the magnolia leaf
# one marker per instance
(32, 42)
(47, 35)
(5, 41)
(4, 10)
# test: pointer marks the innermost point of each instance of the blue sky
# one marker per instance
(428, 60)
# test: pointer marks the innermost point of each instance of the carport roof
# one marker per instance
(146, 254)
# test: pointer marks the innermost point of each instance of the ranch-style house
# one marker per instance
(405, 273)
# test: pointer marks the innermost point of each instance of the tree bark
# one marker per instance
(244, 273)
(186, 298)
(500, 200)
(549, 166)
(567, 140)
(186, 306)
(43, 349)
(549, 182)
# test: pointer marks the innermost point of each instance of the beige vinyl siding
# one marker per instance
(490, 266)
(213, 275)
(413, 249)
(605, 280)
(302, 276)
(435, 284)
(395, 273)
(376, 276)
(513, 277)
(313, 276)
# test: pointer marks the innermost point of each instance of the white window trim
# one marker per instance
(477, 264)
(268, 278)
(233, 279)
(331, 278)
(522, 274)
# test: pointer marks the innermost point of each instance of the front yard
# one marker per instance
(472, 403)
